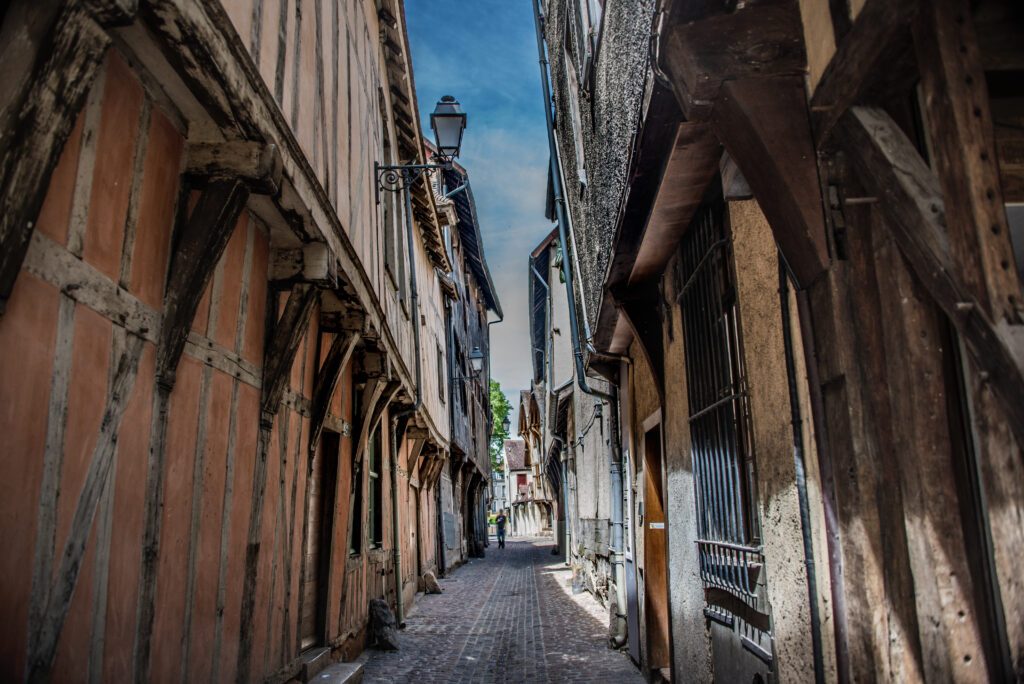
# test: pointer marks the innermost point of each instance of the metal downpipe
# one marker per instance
(801, 476)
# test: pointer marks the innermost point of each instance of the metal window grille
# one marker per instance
(729, 537)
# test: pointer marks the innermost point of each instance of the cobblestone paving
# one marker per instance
(510, 617)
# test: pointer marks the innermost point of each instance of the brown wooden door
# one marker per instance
(319, 525)
(655, 548)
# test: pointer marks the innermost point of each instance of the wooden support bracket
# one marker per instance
(50, 54)
(890, 167)
(758, 122)
(376, 397)
(199, 247)
(338, 356)
(312, 263)
(282, 347)
(258, 164)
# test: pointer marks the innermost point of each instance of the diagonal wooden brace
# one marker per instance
(327, 378)
(282, 347)
(199, 247)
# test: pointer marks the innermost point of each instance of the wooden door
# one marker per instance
(655, 549)
(319, 525)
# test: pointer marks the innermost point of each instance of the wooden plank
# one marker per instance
(956, 106)
(861, 57)
(891, 169)
(761, 122)
(45, 634)
(199, 248)
(50, 54)
(283, 345)
(338, 356)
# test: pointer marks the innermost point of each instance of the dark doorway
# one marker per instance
(316, 559)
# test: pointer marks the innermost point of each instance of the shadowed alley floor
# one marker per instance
(510, 617)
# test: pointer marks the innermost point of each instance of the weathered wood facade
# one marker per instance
(214, 452)
(853, 513)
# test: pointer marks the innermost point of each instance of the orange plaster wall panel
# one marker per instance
(172, 571)
(111, 176)
(159, 193)
(27, 341)
(245, 455)
(231, 284)
(56, 210)
(261, 624)
(268, 41)
(129, 510)
(87, 393)
(252, 346)
(312, 338)
(308, 85)
(204, 606)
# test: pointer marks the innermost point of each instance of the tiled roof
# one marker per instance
(515, 452)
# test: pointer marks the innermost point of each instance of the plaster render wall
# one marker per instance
(757, 278)
(609, 111)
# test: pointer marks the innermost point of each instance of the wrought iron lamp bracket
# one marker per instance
(400, 177)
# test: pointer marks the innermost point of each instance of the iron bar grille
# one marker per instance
(729, 537)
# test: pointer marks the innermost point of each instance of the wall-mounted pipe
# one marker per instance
(801, 476)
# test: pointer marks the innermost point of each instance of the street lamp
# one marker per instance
(476, 364)
(448, 122)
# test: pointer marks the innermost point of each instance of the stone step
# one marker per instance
(340, 673)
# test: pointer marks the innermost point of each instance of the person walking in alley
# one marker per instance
(500, 522)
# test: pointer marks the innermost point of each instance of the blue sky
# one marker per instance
(484, 52)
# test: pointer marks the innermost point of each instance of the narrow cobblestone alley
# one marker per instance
(510, 617)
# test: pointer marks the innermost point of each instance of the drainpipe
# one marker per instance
(801, 477)
(615, 457)
(415, 311)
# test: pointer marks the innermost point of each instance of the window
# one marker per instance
(576, 122)
(440, 373)
(373, 463)
(727, 526)
(392, 217)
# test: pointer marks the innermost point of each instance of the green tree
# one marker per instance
(499, 411)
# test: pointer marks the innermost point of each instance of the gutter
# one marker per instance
(801, 476)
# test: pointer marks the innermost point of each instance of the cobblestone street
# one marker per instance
(510, 617)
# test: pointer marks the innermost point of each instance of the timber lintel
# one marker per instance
(198, 248)
(338, 356)
(758, 122)
(890, 167)
(282, 347)
(258, 164)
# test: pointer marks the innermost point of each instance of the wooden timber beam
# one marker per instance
(640, 304)
(890, 167)
(376, 397)
(705, 47)
(338, 356)
(258, 164)
(956, 105)
(282, 347)
(863, 55)
(762, 123)
(312, 263)
(199, 247)
(50, 54)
